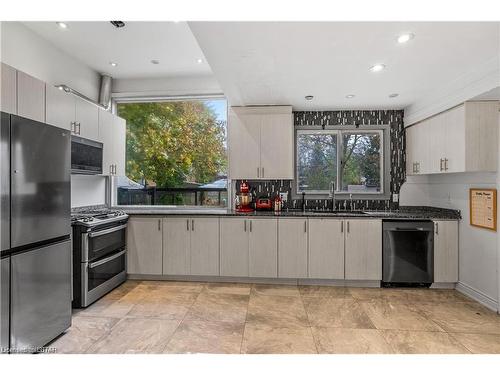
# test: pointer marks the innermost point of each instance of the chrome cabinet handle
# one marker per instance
(305, 226)
(250, 225)
(187, 224)
(348, 227)
(341, 227)
(258, 172)
(192, 225)
(262, 171)
(440, 164)
(437, 228)
(245, 225)
(445, 164)
(159, 224)
(106, 260)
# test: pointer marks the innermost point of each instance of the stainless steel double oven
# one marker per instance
(99, 256)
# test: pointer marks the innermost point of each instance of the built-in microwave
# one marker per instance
(86, 156)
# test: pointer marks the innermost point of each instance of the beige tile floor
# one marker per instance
(189, 317)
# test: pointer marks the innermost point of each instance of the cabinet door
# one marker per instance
(454, 139)
(205, 246)
(119, 144)
(292, 248)
(326, 249)
(60, 108)
(176, 246)
(410, 150)
(107, 136)
(363, 250)
(263, 248)
(8, 98)
(276, 146)
(87, 118)
(244, 145)
(30, 97)
(446, 251)
(234, 246)
(144, 246)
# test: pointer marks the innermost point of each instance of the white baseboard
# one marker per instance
(478, 296)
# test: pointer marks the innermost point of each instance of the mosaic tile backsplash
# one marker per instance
(325, 119)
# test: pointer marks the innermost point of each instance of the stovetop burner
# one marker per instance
(97, 216)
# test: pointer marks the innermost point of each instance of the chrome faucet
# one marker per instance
(331, 194)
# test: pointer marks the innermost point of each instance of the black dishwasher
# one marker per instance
(408, 253)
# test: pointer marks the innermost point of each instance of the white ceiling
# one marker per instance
(280, 63)
(133, 47)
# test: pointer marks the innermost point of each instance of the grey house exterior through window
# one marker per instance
(353, 159)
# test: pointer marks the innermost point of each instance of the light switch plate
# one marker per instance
(395, 198)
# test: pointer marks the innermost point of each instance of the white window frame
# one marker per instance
(383, 132)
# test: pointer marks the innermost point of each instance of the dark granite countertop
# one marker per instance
(403, 213)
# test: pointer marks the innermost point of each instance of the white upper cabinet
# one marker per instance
(112, 135)
(60, 108)
(8, 99)
(462, 139)
(30, 97)
(87, 120)
(260, 142)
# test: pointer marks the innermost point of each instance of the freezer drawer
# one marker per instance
(40, 182)
(4, 304)
(40, 295)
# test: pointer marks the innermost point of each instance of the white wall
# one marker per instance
(27, 51)
(88, 190)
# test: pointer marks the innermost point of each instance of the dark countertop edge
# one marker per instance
(407, 213)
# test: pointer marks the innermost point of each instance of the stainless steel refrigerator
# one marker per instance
(35, 233)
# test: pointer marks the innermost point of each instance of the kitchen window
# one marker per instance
(176, 153)
(352, 159)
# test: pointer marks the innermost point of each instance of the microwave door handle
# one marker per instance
(107, 231)
(106, 260)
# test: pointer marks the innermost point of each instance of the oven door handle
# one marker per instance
(107, 231)
(106, 260)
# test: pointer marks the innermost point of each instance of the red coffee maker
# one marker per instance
(244, 198)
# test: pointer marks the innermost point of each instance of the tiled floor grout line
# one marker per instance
(309, 322)
(246, 319)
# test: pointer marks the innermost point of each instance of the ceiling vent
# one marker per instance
(118, 24)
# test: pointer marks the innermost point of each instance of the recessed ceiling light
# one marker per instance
(62, 25)
(393, 95)
(199, 61)
(350, 96)
(403, 38)
(309, 97)
(377, 67)
(113, 64)
(118, 24)
(155, 62)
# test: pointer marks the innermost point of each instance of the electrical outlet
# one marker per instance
(284, 196)
(395, 198)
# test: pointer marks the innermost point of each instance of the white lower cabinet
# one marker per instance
(204, 254)
(144, 245)
(263, 248)
(326, 249)
(363, 249)
(233, 247)
(176, 246)
(445, 251)
(292, 248)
